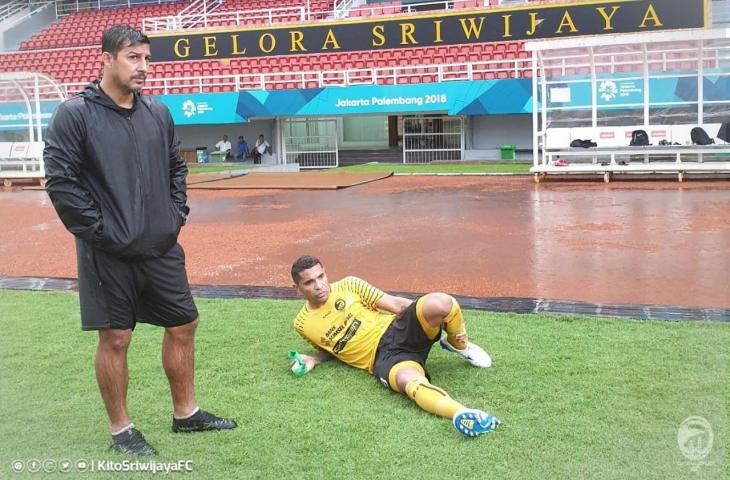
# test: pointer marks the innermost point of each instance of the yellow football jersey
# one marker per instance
(349, 325)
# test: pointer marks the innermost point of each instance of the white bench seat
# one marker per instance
(654, 167)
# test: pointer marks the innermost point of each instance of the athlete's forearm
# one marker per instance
(322, 356)
(393, 304)
(401, 303)
(312, 361)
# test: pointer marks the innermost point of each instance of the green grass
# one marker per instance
(455, 167)
(579, 398)
(220, 168)
(397, 168)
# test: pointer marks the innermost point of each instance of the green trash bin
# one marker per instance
(201, 154)
(508, 152)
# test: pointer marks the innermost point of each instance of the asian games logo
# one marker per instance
(188, 108)
(608, 90)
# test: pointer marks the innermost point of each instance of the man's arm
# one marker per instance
(178, 172)
(312, 361)
(393, 304)
(63, 160)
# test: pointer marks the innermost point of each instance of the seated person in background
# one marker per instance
(389, 337)
(261, 147)
(224, 146)
(242, 149)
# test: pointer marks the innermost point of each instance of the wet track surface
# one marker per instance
(625, 243)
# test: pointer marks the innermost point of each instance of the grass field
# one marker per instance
(578, 398)
(397, 168)
(454, 167)
(219, 168)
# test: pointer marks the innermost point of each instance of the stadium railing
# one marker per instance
(500, 60)
(85, 27)
(301, 13)
(481, 70)
(67, 7)
(12, 8)
(184, 21)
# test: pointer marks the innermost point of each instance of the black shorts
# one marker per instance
(404, 340)
(116, 293)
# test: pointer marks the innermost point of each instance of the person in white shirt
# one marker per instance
(224, 146)
(261, 147)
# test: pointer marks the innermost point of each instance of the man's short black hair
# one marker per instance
(117, 37)
(305, 262)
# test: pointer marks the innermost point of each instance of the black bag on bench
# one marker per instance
(700, 137)
(639, 138)
(583, 143)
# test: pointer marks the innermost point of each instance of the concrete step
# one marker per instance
(358, 157)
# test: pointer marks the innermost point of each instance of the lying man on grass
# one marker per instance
(347, 320)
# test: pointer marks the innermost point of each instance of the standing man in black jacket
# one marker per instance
(117, 181)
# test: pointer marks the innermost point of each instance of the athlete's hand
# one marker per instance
(309, 361)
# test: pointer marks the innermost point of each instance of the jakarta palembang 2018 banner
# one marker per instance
(15, 116)
(487, 97)
(525, 22)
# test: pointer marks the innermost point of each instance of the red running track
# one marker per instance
(625, 242)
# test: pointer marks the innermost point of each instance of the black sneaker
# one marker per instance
(202, 421)
(131, 442)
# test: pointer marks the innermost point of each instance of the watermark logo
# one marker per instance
(50, 465)
(65, 465)
(34, 465)
(695, 439)
(82, 465)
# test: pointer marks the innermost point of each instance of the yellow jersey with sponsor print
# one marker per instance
(349, 325)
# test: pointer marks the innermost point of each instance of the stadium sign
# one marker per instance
(15, 115)
(429, 30)
(481, 97)
(478, 97)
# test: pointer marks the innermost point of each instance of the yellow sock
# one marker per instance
(432, 399)
(454, 325)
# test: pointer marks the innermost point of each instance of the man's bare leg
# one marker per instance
(178, 360)
(112, 375)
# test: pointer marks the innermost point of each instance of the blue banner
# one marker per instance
(487, 97)
(203, 108)
(14, 116)
(621, 90)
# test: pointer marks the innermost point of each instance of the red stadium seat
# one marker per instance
(84, 28)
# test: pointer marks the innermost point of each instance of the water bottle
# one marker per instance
(299, 368)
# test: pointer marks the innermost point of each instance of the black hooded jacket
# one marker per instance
(115, 175)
